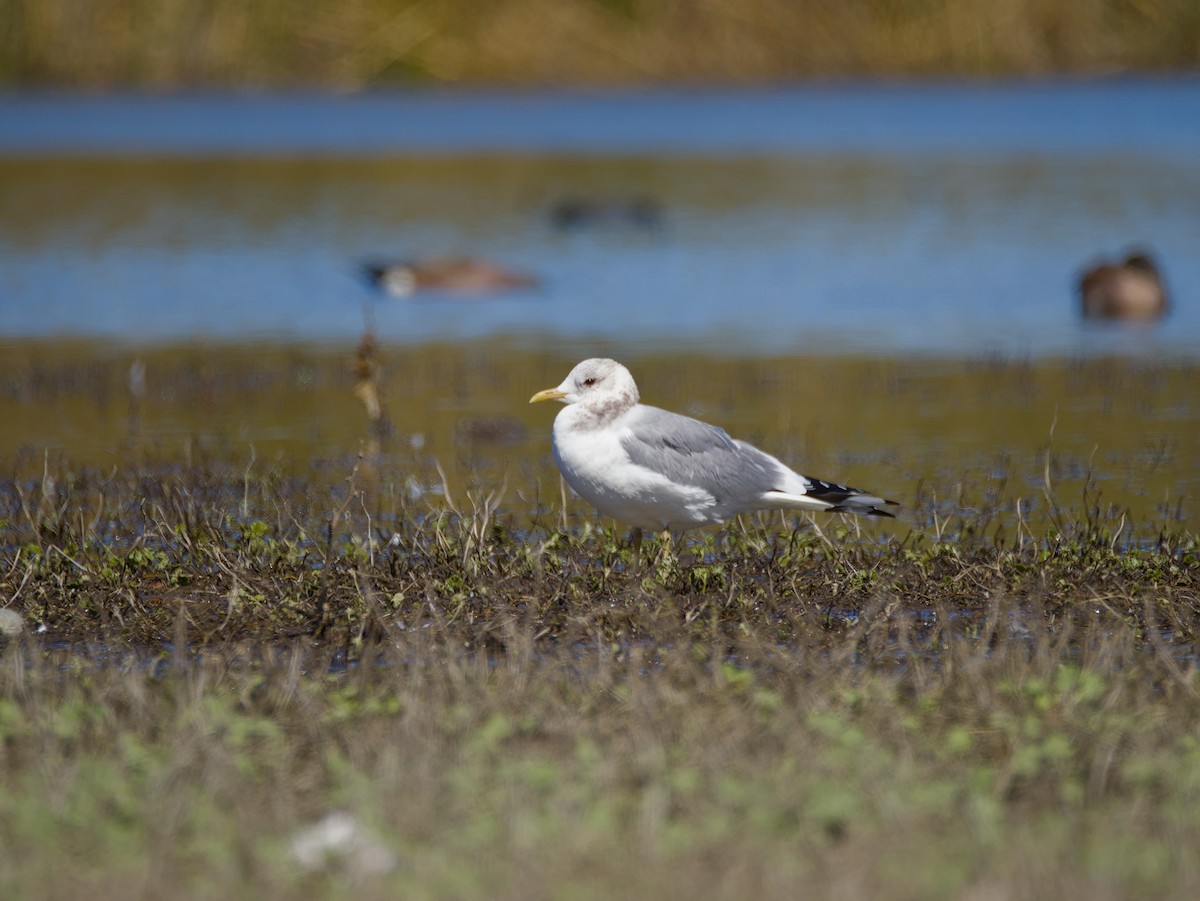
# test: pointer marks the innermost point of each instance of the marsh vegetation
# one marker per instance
(369, 42)
(266, 586)
(995, 697)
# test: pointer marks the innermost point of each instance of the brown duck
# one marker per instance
(451, 275)
(1131, 289)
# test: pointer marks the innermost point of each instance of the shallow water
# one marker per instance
(959, 437)
(892, 220)
(1154, 117)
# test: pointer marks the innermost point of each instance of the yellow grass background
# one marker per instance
(358, 43)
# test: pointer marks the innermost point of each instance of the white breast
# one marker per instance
(599, 470)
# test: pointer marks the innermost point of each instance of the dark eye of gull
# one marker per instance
(588, 382)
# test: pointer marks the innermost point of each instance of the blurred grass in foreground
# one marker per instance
(357, 43)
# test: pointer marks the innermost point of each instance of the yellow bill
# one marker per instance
(548, 394)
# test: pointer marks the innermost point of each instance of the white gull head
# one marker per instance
(602, 388)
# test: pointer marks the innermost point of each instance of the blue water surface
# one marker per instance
(935, 218)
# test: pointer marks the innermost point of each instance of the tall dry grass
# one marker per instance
(357, 43)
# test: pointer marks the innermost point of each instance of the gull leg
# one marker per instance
(637, 547)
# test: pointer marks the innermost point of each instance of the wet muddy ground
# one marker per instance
(248, 606)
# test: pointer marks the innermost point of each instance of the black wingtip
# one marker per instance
(873, 511)
(844, 499)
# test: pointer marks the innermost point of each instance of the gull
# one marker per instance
(654, 469)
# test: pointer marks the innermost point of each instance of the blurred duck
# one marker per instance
(572, 213)
(1131, 289)
(452, 275)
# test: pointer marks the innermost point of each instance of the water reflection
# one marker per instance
(960, 434)
(755, 255)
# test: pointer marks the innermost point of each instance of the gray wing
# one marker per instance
(695, 453)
